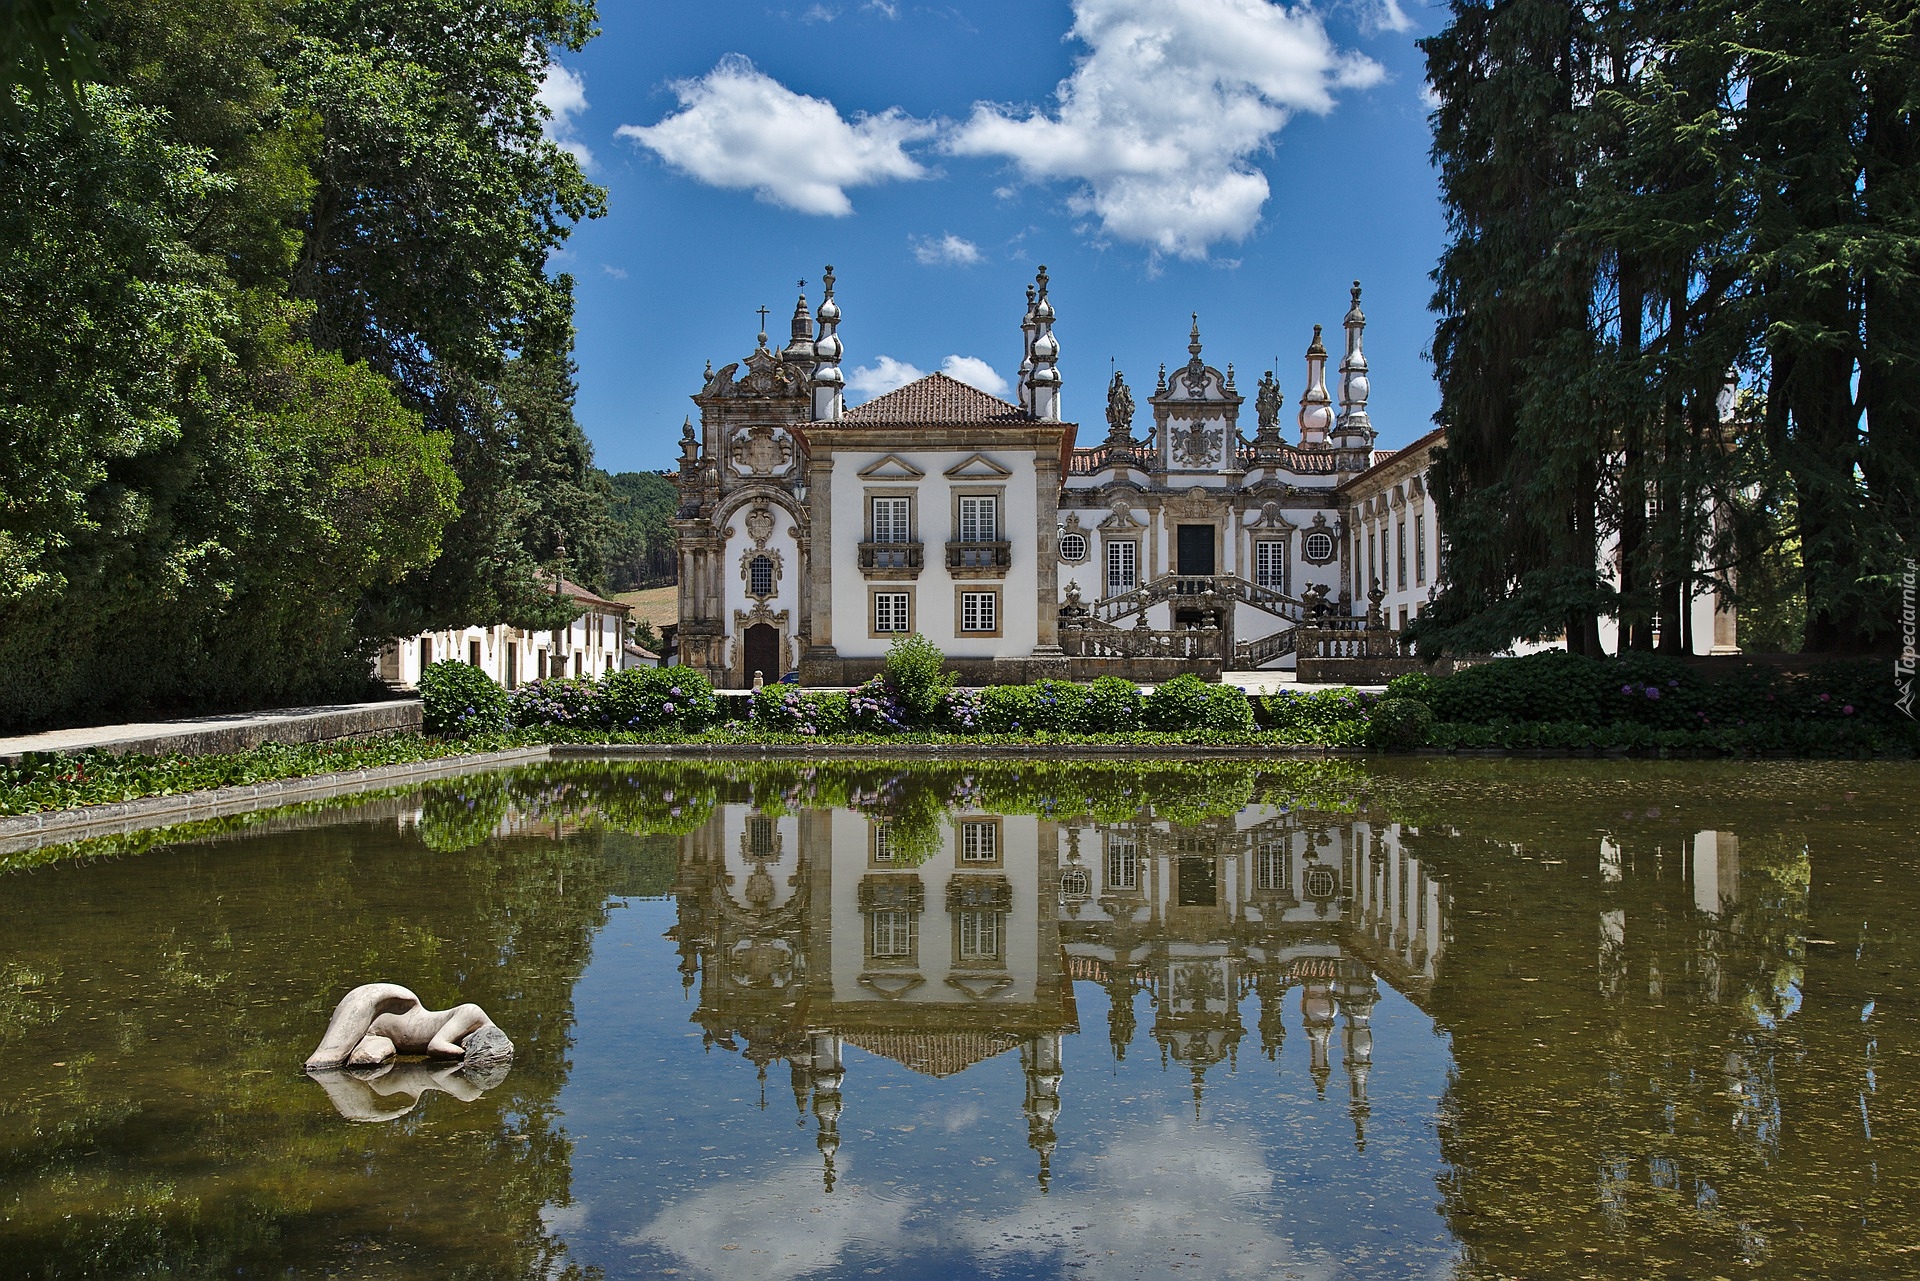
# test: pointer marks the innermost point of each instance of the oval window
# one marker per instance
(1073, 547)
(1318, 546)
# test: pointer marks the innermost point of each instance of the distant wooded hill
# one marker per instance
(638, 549)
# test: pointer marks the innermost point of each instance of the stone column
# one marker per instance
(1046, 479)
(820, 560)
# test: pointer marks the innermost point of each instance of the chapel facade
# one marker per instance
(813, 535)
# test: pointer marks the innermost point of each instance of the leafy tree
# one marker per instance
(639, 549)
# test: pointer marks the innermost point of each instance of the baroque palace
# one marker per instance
(812, 535)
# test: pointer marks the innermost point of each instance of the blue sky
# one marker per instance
(1231, 157)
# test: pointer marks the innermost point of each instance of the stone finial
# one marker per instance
(1045, 379)
(800, 337)
(829, 385)
(1354, 425)
(1316, 406)
(1193, 337)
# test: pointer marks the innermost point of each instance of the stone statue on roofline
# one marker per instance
(1119, 412)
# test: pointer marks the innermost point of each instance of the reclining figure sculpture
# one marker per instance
(377, 1021)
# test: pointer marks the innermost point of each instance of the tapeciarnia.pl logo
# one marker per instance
(1903, 669)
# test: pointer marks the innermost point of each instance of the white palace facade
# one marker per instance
(812, 535)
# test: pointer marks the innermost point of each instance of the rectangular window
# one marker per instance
(1271, 866)
(979, 612)
(892, 934)
(1270, 565)
(1123, 863)
(890, 612)
(1123, 567)
(1400, 558)
(891, 520)
(979, 520)
(760, 576)
(882, 848)
(1420, 547)
(979, 936)
(980, 842)
(426, 654)
(473, 653)
(1373, 563)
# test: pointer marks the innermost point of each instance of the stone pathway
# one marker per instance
(235, 732)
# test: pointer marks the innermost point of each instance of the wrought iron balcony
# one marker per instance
(979, 560)
(890, 560)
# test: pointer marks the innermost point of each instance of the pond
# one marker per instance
(1295, 1019)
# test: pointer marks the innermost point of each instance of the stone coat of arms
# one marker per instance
(1196, 445)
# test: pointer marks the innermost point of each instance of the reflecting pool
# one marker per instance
(1424, 1018)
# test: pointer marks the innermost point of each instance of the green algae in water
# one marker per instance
(1475, 1019)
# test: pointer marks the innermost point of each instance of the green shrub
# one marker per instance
(1336, 717)
(1421, 687)
(569, 701)
(1399, 723)
(1008, 709)
(648, 700)
(784, 709)
(1180, 703)
(1059, 707)
(914, 673)
(459, 699)
(1114, 706)
(1188, 703)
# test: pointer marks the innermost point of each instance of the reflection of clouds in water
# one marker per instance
(562, 1219)
(777, 1227)
(1159, 1197)
(1164, 1196)
(962, 1118)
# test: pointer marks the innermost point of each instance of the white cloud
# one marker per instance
(1429, 98)
(1384, 15)
(618, 273)
(741, 129)
(884, 8)
(881, 377)
(564, 94)
(1159, 120)
(974, 372)
(820, 13)
(948, 251)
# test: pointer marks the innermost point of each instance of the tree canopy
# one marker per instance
(1676, 314)
(285, 373)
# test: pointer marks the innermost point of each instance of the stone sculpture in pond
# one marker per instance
(357, 1061)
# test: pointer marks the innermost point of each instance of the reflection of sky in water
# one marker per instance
(676, 1165)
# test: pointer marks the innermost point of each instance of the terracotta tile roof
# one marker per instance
(937, 1054)
(934, 399)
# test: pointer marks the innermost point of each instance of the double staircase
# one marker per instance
(1203, 591)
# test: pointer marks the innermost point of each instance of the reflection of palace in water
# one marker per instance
(809, 932)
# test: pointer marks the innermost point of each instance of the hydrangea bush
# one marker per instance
(459, 699)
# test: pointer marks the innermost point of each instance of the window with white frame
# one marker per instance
(1073, 547)
(882, 843)
(980, 842)
(979, 611)
(891, 934)
(1123, 567)
(1318, 546)
(892, 611)
(1420, 548)
(1123, 863)
(892, 520)
(1270, 565)
(1271, 865)
(760, 576)
(979, 519)
(1400, 553)
(1373, 561)
(979, 936)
